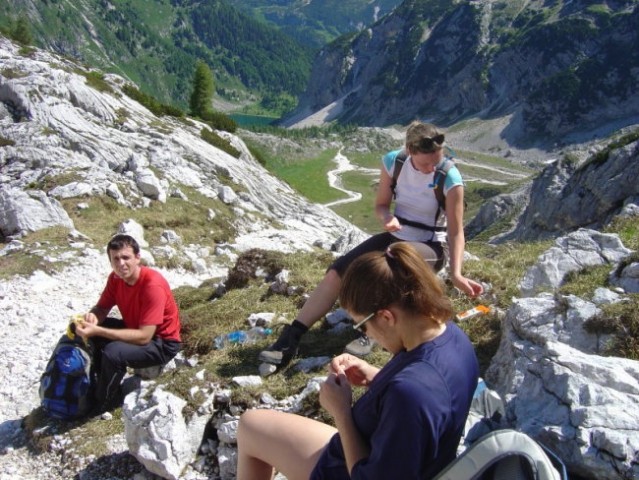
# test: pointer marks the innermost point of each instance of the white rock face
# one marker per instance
(59, 125)
(29, 211)
(157, 433)
(557, 387)
(574, 252)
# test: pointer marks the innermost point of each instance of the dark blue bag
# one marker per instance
(66, 385)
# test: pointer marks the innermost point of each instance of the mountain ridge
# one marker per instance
(477, 59)
(156, 44)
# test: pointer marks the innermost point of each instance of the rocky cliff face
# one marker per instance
(66, 136)
(568, 195)
(560, 68)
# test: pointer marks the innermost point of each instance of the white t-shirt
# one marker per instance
(415, 199)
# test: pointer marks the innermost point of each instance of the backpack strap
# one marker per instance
(400, 158)
(422, 226)
(438, 184)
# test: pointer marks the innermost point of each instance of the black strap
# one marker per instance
(440, 179)
(422, 226)
(400, 158)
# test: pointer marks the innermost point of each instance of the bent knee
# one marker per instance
(249, 426)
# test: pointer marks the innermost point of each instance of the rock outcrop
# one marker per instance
(557, 386)
(66, 135)
(572, 253)
(568, 195)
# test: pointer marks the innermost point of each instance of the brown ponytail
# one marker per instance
(400, 277)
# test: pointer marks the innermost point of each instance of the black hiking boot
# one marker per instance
(284, 349)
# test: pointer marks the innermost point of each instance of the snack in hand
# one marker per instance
(76, 319)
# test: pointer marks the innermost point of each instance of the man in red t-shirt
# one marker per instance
(149, 332)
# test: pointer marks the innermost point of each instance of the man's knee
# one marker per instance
(149, 373)
(113, 353)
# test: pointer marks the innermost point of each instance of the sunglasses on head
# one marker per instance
(428, 144)
(361, 326)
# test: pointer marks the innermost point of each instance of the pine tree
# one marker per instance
(21, 32)
(203, 88)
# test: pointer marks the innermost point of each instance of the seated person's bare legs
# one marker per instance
(291, 443)
(321, 300)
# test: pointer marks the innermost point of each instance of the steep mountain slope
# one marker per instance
(156, 43)
(101, 148)
(558, 68)
(315, 23)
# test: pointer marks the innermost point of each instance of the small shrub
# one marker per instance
(249, 262)
(602, 156)
(27, 52)
(122, 115)
(219, 121)
(96, 80)
(10, 73)
(214, 139)
(6, 142)
(151, 103)
(621, 320)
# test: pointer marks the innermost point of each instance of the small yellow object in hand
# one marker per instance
(77, 319)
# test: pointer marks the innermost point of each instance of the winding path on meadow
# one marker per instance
(335, 179)
(344, 165)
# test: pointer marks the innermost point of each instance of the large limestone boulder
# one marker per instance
(158, 434)
(572, 253)
(557, 389)
(28, 211)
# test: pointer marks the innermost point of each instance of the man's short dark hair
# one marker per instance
(120, 241)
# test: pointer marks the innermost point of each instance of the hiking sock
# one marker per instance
(299, 328)
(286, 346)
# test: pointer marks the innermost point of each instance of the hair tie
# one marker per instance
(389, 254)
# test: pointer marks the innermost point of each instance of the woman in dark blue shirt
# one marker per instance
(410, 420)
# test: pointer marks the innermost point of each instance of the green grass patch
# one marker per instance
(308, 176)
(584, 282)
(189, 219)
(204, 319)
(10, 73)
(223, 144)
(6, 142)
(621, 320)
(38, 245)
(628, 230)
(48, 182)
(95, 79)
(361, 212)
(502, 266)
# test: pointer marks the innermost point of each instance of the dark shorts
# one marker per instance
(435, 253)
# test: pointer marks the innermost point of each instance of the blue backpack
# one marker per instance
(66, 385)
